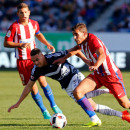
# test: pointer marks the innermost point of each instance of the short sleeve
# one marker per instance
(35, 74)
(96, 44)
(10, 33)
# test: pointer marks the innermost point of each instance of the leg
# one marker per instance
(86, 85)
(38, 100)
(105, 109)
(124, 101)
(97, 92)
(48, 93)
(27, 66)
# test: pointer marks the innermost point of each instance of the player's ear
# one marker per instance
(17, 13)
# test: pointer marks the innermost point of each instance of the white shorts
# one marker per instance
(76, 79)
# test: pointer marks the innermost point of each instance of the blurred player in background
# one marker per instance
(106, 73)
(68, 76)
(21, 36)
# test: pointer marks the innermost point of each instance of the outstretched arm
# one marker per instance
(71, 52)
(25, 92)
(42, 39)
(100, 52)
(83, 57)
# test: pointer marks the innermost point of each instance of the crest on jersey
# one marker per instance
(8, 33)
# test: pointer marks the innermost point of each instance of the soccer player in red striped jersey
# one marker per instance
(21, 36)
(105, 72)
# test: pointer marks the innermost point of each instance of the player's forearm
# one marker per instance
(11, 44)
(25, 92)
(83, 57)
(100, 60)
(42, 39)
(73, 51)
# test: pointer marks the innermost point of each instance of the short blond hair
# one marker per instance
(22, 5)
(80, 26)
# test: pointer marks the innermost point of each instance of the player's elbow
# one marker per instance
(5, 44)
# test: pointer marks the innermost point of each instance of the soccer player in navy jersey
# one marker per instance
(68, 76)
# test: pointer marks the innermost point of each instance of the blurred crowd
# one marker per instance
(61, 15)
(120, 19)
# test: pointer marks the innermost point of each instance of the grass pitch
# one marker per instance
(28, 115)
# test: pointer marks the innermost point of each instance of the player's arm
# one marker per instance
(25, 92)
(71, 52)
(42, 39)
(10, 44)
(83, 57)
(101, 57)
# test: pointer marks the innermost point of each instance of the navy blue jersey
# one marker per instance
(62, 73)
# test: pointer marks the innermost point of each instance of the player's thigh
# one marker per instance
(124, 101)
(86, 85)
(42, 81)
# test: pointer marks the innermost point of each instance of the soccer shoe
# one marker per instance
(93, 124)
(126, 116)
(46, 115)
(56, 109)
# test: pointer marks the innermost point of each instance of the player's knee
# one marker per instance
(78, 94)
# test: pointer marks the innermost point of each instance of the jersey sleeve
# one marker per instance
(53, 56)
(10, 33)
(96, 44)
(37, 28)
(35, 74)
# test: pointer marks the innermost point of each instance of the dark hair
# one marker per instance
(22, 5)
(35, 51)
(80, 26)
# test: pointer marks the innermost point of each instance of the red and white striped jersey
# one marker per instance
(19, 33)
(89, 48)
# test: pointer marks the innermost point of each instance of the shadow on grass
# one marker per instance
(20, 118)
(47, 125)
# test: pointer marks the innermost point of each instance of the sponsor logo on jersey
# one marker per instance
(29, 40)
(8, 33)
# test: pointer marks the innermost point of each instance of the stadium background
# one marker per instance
(108, 19)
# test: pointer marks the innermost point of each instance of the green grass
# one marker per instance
(28, 115)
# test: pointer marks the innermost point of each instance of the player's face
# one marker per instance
(23, 14)
(79, 37)
(38, 60)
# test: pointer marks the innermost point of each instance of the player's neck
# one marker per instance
(24, 22)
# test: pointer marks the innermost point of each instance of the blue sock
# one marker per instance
(85, 104)
(38, 100)
(48, 93)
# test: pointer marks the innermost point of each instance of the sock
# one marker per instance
(107, 111)
(38, 100)
(96, 93)
(85, 104)
(48, 93)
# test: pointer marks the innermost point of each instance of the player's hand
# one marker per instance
(59, 61)
(25, 45)
(51, 48)
(92, 68)
(13, 107)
